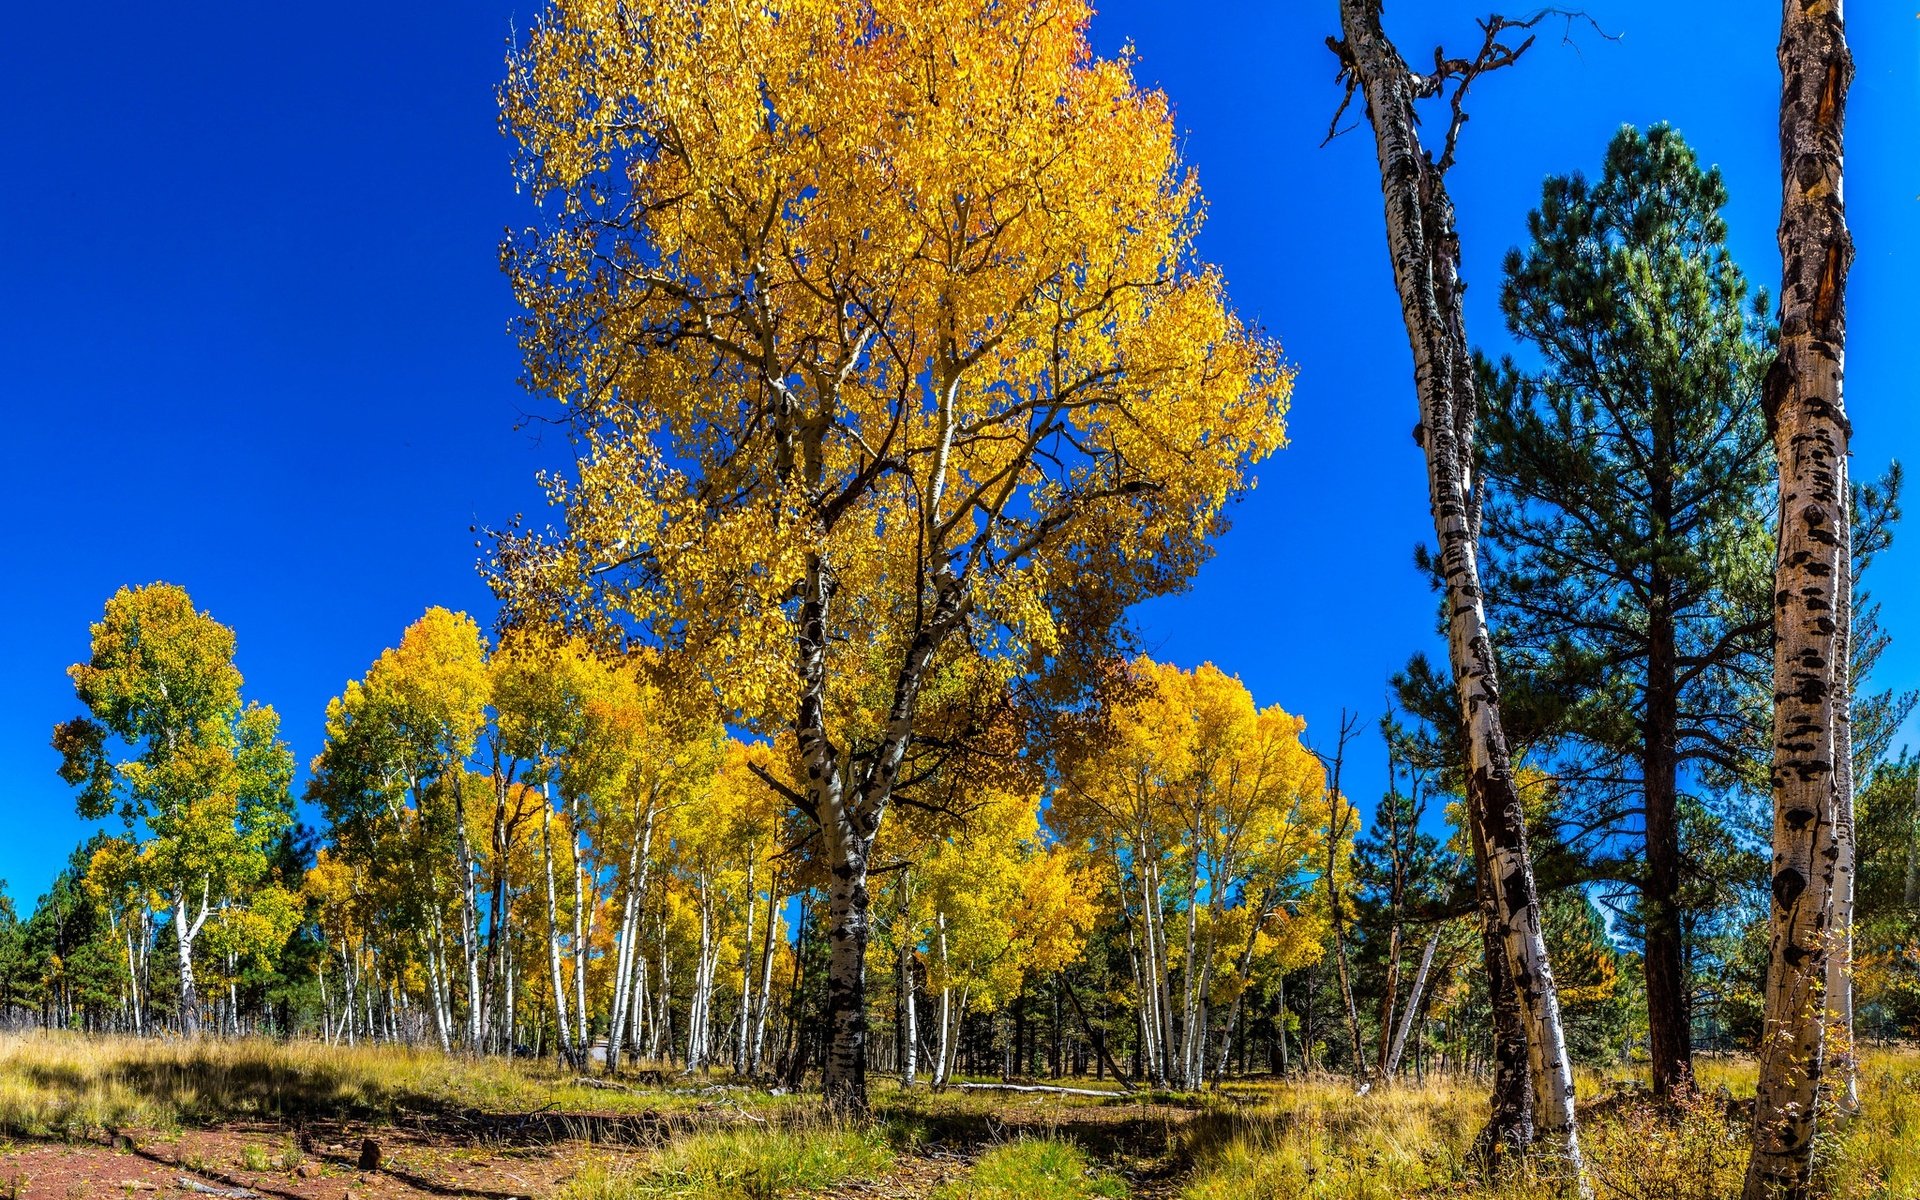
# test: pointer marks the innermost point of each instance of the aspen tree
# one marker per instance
(1424, 246)
(886, 347)
(203, 776)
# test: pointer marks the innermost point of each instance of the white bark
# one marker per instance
(765, 994)
(1424, 246)
(743, 1019)
(582, 936)
(1413, 1005)
(563, 1030)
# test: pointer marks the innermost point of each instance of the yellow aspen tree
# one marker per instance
(885, 344)
(201, 780)
(393, 783)
(1199, 804)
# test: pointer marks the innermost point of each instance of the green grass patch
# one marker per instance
(741, 1164)
(1033, 1169)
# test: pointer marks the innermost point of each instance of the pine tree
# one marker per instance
(1628, 500)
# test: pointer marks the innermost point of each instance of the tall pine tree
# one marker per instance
(1628, 503)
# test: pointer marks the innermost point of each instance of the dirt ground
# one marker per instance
(413, 1166)
(468, 1154)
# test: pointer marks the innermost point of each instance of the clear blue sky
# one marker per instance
(255, 338)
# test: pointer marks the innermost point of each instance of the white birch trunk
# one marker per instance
(946, 1001)
(743, 1019)
(582, 936)
(563, 1031)
(1424, 246)
(469, 922)
(761, 1000)
(1392, 1066)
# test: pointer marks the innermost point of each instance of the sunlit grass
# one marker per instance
(739, 1164)
(1252, 1140)
(1322, 1141)
(67, 1085)
(1033, 1169)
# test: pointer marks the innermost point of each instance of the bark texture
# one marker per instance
(1669, 1016)
(1812, 591)
(1424, 246)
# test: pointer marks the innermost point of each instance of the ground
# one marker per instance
(96, 1117)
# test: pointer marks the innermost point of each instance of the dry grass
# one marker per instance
(1319, 1140)
(740, 1164)
(1033, 1169)
(66, 1085)
(1253, 1141)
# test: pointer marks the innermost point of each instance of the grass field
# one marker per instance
(88, 1117)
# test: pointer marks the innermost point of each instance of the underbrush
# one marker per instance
(1318, 1138)
(1252, 1140)
(1322, 1141)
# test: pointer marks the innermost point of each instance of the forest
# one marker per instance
(807, 814)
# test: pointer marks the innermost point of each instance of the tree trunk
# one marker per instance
(744, 1018)
(1392, 1065)
(1280, 1019)
(909, 1024)
(469, 919)
(1390, 991)
(761, 1001)
(847, 934)
(1843, 1074)
(849, 812)
(564, 1035)
(1669, 1040)
(946, 1003)
(639, 861)
(582, 936)
(184, 933)
(1510, 1121)
(1424, 245)
(1812, 587)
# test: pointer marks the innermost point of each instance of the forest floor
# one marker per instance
(99, 1117)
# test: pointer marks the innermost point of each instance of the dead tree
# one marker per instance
(1812, 800)
(1425, 249)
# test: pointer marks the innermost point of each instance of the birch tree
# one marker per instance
(393, 782)
(885, 344)
(202, 781)
(1196, 806)
(1424, 246)
(1811, 777)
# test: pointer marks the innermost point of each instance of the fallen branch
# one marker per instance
(1103, 1093)
(194, 1185)
(605, 1085)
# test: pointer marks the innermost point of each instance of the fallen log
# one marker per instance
(1054, 1089)
(194, 1185)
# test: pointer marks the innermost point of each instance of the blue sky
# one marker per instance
(255, 336)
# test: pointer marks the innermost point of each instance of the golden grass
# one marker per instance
(67, 1085)
(1033, 1169)
(739, 1164)
(1251, 1141)
(1319, 1140)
